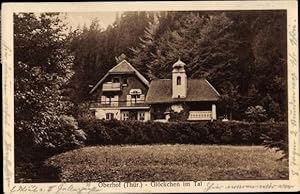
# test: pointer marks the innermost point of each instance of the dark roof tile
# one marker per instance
(160, 91)
(122, 67)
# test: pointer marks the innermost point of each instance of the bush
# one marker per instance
(256, 114)
(180, 116)
(277, 137)
(73, 136)
(29, 155)
(101, 132)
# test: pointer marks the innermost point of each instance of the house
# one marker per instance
(121, 94)
(198, 96)
(124, 94)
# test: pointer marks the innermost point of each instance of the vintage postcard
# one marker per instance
(150, 97)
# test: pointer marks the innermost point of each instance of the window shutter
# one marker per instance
(142, 98)
(128, 101)
(103, 99)
(107, 100)
(115, 100)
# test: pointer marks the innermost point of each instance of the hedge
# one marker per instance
(101, 132)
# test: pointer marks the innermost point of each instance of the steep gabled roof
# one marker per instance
(122, 67)
(160, 91)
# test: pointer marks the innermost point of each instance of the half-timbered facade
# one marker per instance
(121, 94)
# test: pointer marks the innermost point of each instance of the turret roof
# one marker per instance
(179, 64)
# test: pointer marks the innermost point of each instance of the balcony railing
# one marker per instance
(138, 103)
(111, 87)
(199, 115)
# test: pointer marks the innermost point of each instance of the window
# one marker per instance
(141, 116)
(125, 82)
(109, 116)
(116, 80)
(125, 116)
(178, 80)
(135, 91)
(109, 99)
(135, 98)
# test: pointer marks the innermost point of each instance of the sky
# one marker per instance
(80, 18)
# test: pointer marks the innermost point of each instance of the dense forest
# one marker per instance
(243, 54)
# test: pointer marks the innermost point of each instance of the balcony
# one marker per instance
(109, 86)
(139, 103)
(199, 116)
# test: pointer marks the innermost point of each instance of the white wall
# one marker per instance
(214, 112)
(179, 90)
(147, 115)
(101, 113)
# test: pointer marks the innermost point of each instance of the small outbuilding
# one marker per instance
(196, 96)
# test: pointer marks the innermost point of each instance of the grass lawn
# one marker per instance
(169, 162)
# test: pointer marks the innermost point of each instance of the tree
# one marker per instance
(223, 47)
(269, 47)
(204, 42)
(165, 40)
(265, 36)
(95, 49)
(230, 100)
(146, 46)
(43, 66)
(87, 46)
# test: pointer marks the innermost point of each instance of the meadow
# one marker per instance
(169, 162)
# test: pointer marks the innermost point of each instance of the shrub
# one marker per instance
(29, 155)
(180, 116)
(101, 132)
(257, 113)
(277, 137)
(75, 136)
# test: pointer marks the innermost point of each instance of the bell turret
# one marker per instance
(179, 80)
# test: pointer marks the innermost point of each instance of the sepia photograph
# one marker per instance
(150, 96)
